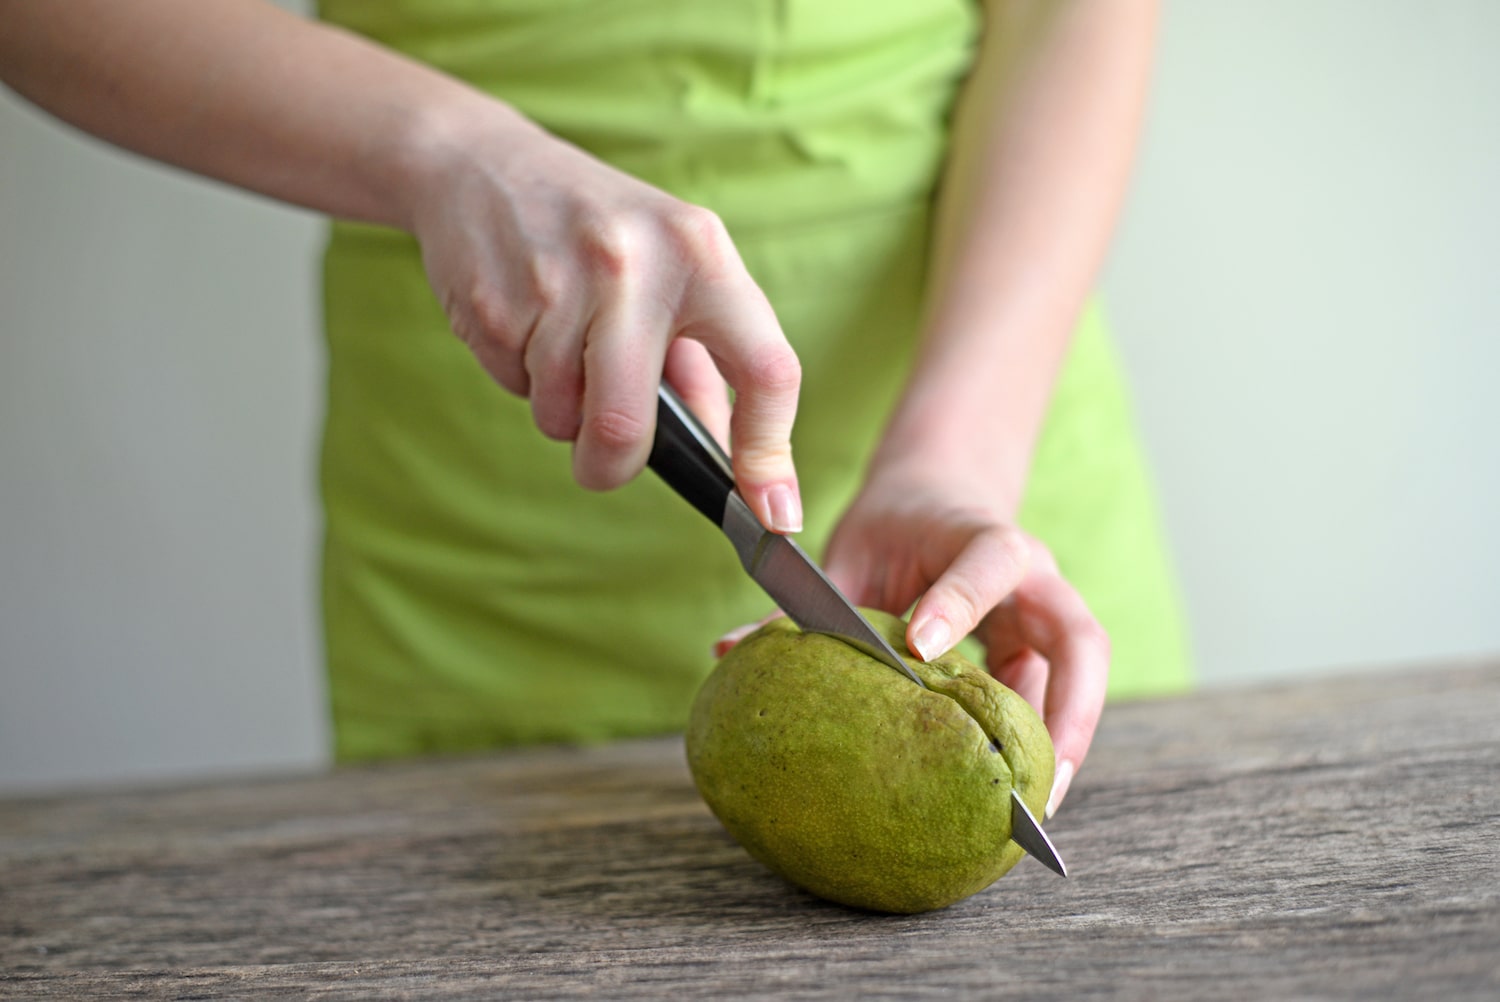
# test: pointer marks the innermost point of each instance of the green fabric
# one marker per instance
(473, 595)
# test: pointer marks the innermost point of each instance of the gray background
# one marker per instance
(1304, 291)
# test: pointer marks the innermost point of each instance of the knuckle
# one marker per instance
(1031, 612)
(504, 370)
(1013, 544)
(608, 247)
(614, 430)
(1007, 551)
(760, 460)
(493, 317)
(1092, 633)
(700, 235)
(546, 283)
(1067, 623)
(964, 600)
(775, 368)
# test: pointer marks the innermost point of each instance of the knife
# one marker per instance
(688, 458)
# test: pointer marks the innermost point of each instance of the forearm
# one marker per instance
(1042, 141)
(244, 92)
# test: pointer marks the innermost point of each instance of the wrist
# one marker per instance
(975, 405)
(932, 442)
(443, 139)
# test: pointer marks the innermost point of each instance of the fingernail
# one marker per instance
(932, 638)
(1059, 787)
(734, 636)
(785, 508)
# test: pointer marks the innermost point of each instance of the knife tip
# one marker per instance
(1028, 834)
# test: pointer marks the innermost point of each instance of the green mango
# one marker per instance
(846, 778)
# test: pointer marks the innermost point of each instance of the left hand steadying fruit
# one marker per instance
(969, 570)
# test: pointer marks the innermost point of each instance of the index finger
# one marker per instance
(733, 320)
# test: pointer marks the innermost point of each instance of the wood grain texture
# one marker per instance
(1333, 839)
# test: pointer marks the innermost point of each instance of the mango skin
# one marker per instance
(841, 775)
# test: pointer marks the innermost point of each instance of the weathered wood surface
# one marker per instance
(1337, 839)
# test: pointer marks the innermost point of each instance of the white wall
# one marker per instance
(159, 379)
(1307, 288)
(1303, 290)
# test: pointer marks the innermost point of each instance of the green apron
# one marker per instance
(473, 595)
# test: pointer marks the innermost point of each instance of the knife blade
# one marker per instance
(686, 456)
(1027, 834)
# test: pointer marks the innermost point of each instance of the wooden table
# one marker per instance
(1333, 839)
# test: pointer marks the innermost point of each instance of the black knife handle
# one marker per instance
(686, 456)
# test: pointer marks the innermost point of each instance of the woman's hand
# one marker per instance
(578, 286)
(575, 285)
(969, 569)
